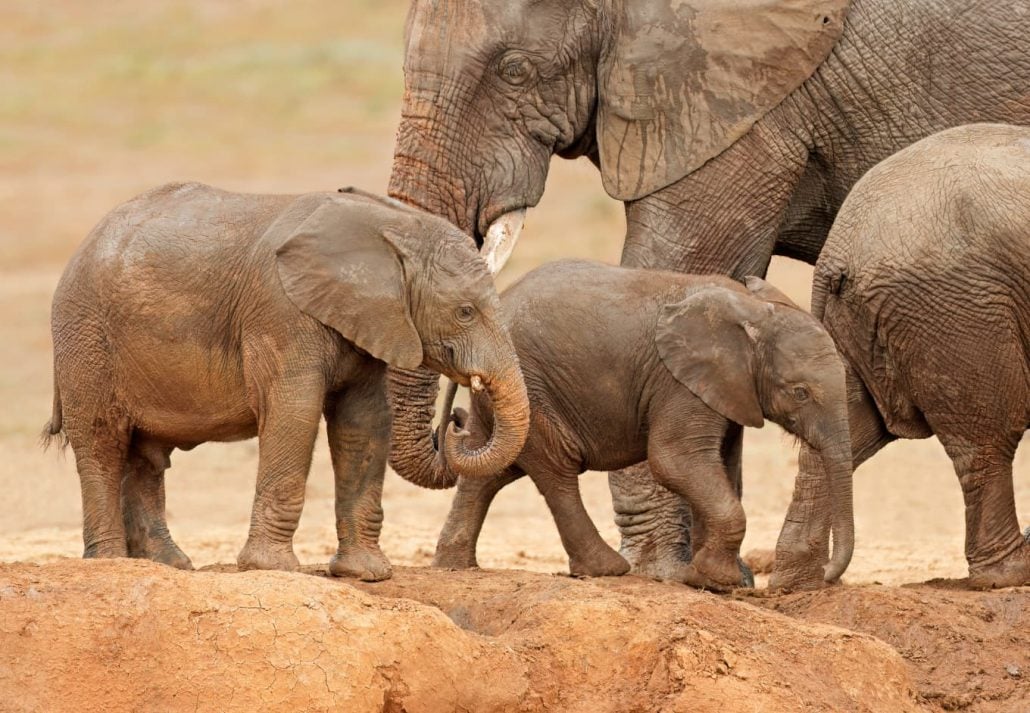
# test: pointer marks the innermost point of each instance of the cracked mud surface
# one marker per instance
(131, 635)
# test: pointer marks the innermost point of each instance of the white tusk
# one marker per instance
(500, 239)
(476, 384)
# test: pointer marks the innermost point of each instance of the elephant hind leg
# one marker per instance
(100, 439)
(456, 546)
(996, 550)
(143, 506)
(589, 554)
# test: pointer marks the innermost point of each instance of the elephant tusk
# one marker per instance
(476, 384)
(500, 239)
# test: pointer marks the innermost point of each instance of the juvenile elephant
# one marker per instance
(192, 314)
(731, 130)
(626, 365)
(924, 284)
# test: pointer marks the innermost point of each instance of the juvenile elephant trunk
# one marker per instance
(507, 393)
(414, 455)
(837, 467)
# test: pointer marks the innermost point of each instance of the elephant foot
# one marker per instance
(258, 554)
(688, 574)
(661, 568)
(720, 568)
(1013, 571)
(603, 563)
(164, 552)
(455, 556)
(105, 549)
(800, 558)
(161, 548)
(368, 564)
(793, 580)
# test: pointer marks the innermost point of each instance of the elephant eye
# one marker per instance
(800, 394)
(514, 69)
(465, 313)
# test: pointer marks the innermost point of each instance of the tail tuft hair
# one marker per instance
(53, 436)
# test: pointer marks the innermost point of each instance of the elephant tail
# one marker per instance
(54, 429)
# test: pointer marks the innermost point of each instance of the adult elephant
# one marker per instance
(731, 129)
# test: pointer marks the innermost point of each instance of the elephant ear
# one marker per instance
(707, 342)
(681, 80)
(765, 291)
(340, 267)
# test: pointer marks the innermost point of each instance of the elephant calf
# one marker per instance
(924, 284)
(623, 365)
(192, 314)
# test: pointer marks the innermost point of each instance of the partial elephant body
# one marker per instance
(924, 284)
(193, 314)
(628, 365)
(723, 158)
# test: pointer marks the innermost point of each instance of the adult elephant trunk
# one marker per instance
(416, 457)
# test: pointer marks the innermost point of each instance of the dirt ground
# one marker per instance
(101, 101)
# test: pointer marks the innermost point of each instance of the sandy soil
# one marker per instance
(96, 106)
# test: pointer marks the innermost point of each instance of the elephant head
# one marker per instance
(412, 291)
(650, 90)
(756, 356)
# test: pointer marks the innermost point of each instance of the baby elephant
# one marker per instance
(624, 365)
(924, 284)
(191, 314)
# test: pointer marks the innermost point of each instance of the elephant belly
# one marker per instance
(184, 395)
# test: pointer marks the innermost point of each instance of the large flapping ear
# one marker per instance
(681, 80)
(765, 291)
(707, 342)
(340, 267)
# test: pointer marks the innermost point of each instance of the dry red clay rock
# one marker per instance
(129, 635)
(967, 651)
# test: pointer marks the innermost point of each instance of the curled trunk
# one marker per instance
(415, 456)
(510, 404)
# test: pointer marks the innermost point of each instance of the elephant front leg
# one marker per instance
(143, 507)
(359, 441)
(286, 440)
(456, 546)
(700, 479)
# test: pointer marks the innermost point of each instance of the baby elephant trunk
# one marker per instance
(837, 466)
(415, 455)
(510, 405)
